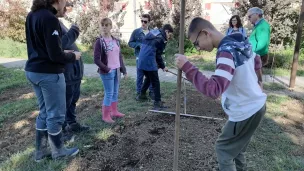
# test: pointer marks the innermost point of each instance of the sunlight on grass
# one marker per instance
(20, 124)
(105, 134)
(23, 161)
(16, 160)
(16, 108)
(273, 86)
(274, 103)
(91, 86)
(11, 78)
(270, 149)
(277, 99)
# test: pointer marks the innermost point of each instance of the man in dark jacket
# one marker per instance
(150, 60)
(73, 75)
(135, 43)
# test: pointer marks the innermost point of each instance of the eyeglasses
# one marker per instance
(144, 21)
(105, 25)
(196, 44)
(249, 16)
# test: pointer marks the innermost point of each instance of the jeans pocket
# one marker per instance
(106, 76)
(54, 78)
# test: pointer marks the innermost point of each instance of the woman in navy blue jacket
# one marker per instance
(44, 69)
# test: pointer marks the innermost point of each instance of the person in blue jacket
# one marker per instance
(135, 43)
(236, 26)
(150, 60)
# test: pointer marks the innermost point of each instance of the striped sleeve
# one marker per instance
(217, 83)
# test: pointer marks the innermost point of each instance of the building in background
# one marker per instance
(217, 12)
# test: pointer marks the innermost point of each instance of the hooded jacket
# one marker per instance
(152, 47)
(234, 79)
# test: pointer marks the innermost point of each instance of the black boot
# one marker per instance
(58, 149)
(141, 97)
(76, 127)
(41, 151)
(159, 105)
(152, 95)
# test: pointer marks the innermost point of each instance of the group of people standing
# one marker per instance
(260, 36)
(55, 70)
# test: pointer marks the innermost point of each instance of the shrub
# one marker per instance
(12, 49)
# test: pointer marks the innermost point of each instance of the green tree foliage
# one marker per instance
(282, 15)
(12, 20)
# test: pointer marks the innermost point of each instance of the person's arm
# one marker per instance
(133, 42)
(159, 51)
(53, 42)
(262, 37)
(97, 57)
(218, 83)
(70, 37)
(258, 69)
(244, 32)
(122, 64)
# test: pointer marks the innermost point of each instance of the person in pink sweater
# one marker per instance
(108, 58)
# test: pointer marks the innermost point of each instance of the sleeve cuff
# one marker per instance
(186, 66)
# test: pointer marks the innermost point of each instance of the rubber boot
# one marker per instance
(115, 112)
(106, 114)
(58, 149)
(41, 151)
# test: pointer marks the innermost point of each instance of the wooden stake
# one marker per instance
(297, 49)
(179, 82)
(189, 115)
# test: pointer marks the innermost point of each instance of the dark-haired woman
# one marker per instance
(236, 26)
(44, 69)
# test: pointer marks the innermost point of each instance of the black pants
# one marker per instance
(151, 78)
(72, 96)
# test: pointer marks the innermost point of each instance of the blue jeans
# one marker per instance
(50, 92)
(140, 79)
(72, 96)
(111, 86)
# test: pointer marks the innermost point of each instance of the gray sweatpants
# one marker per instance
(233, 141)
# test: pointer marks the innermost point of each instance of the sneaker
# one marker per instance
(76, 127)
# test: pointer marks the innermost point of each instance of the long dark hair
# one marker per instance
(238, 19)
(39, 4)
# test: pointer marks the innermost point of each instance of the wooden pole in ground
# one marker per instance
(179, 85)
(297, 49)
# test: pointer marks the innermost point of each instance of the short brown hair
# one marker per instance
(106, 21)
(39, 4)
(198, 24)
(146, 16)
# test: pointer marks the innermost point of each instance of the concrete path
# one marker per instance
(90, 71)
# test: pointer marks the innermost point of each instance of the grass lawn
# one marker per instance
(277, 144)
